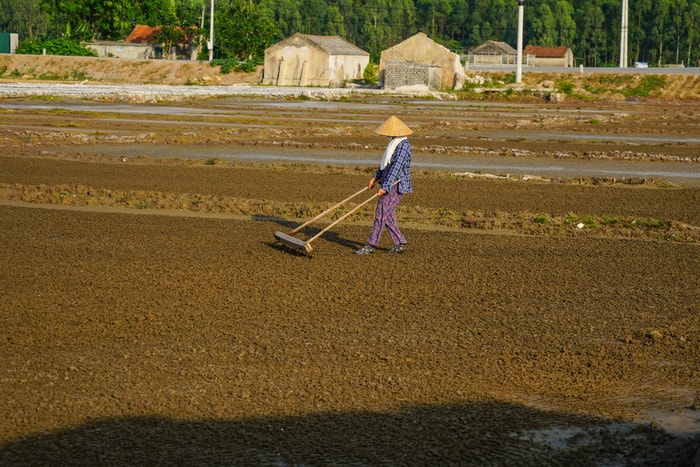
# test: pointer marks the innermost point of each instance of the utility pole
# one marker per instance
(210, 44)
(519, 57)
(623, 34)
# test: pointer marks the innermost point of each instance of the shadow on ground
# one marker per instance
(306, 233)
(416, 435)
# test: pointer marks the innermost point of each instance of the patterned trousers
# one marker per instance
(385, 216)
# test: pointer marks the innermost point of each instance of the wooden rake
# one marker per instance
(305, 246)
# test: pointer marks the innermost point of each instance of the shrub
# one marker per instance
(567, 87)
(608, 220)
(651, 223)
(646, 85)
(60, 46)
(233, 64)
(371, 73)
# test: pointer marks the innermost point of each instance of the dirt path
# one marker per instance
(139, 338)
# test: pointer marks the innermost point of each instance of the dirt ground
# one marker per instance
(149, 317)
(115, 70)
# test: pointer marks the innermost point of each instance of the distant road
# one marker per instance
(592, 70)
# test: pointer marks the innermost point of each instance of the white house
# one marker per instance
(550, 56)
(308, 60)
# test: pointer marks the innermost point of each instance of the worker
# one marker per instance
(394, 178)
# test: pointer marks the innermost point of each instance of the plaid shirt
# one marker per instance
(398, 169)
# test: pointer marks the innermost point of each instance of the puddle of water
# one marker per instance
(683, 173)
(685, 423)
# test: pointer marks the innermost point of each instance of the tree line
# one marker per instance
(660, 32)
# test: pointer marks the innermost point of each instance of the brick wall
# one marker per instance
(399, 74)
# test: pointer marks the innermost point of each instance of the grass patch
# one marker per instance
(665, 184)
(651, 223)
(75, 75)
(592, 222)
(595, 89)
(58, 112)
(229, 65)
(608, 220)
(509, 78)
(587, 222)
(567, 87)
(647, 85)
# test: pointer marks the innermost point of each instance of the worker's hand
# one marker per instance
(371, 183)
(381, 192)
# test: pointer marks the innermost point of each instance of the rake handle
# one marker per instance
(335, 206)
(328, 227)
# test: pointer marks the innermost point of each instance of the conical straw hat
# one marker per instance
(393, 127)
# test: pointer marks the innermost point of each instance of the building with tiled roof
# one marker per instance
(492, 53)
(142, 34)
(143, 43)
(560, 56)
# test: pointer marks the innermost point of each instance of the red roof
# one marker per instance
(142, 34)
(546, 52)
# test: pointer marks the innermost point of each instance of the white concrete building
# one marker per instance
(308, 60)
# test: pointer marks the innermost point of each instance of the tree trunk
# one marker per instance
(690, 41)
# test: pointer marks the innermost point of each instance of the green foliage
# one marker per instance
(106, 20)
(243, 30)
(371, 73)
(509, 78)
(24, 17)
(227, 65)
(233, 64)
(567, 87)
(592, 222)
(75, 75)
(592, 89)
(606, 220)
(647, 85)
(660, 32)
(588, 222)
(189, 12)
(55, 47)
(173, 35)
(651, 223)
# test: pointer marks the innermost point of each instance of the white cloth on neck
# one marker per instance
(390, 148)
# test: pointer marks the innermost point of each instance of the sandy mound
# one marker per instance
(118, 70)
